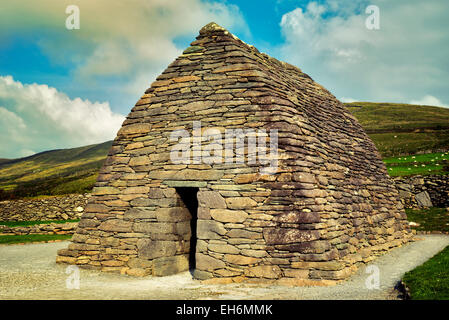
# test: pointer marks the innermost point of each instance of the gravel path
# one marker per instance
(30, 272)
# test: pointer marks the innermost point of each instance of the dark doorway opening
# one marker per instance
(189, 197)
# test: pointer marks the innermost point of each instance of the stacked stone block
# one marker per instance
(49, 208)
(434, 187)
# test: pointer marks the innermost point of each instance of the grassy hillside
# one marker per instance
(52, 172)
(403, 129)
(396, 129)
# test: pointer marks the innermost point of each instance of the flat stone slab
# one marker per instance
(30, 272)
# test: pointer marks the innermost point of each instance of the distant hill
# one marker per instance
(396, 129)
(403, 129)
(52, 172)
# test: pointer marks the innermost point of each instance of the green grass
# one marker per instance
(11, 239)
(432, 219)
(422, 164)
(402, 129)
(421, 158)
(430, 281)
(397, 117)
(32, 223)
(55, 172)
(81, 185)
(405, 143)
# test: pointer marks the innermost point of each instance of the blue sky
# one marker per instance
(65, 88)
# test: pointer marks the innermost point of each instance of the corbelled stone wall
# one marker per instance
(414, 191)
(49, 208)
(329, 206)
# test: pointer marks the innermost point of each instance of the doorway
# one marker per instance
(188, 195)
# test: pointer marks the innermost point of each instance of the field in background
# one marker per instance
(403, 129)
(400, 131)
(53, 172)
(419, 164)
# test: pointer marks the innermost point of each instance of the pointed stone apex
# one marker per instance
(212, 28)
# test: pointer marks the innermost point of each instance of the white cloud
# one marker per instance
(11, 128)
(405, 60)
(38, 117)
(119, 50)
(347, 100)
(429, 100)
(128, 40)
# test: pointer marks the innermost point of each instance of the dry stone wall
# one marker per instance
(50, 228)
(424, 191)
(51, 208)
(329, 206)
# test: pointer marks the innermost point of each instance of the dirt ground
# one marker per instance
(30, 272)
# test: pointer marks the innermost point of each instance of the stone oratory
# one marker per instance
(328, 205)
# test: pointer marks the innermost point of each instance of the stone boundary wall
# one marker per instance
(52, 208)
(423, 191)
(51, 228)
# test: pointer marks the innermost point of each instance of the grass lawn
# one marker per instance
(422, 164)
(432, 219)
(32, 223)
(10, 239)
(430, 281)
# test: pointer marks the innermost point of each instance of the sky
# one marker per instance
(62, 87)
